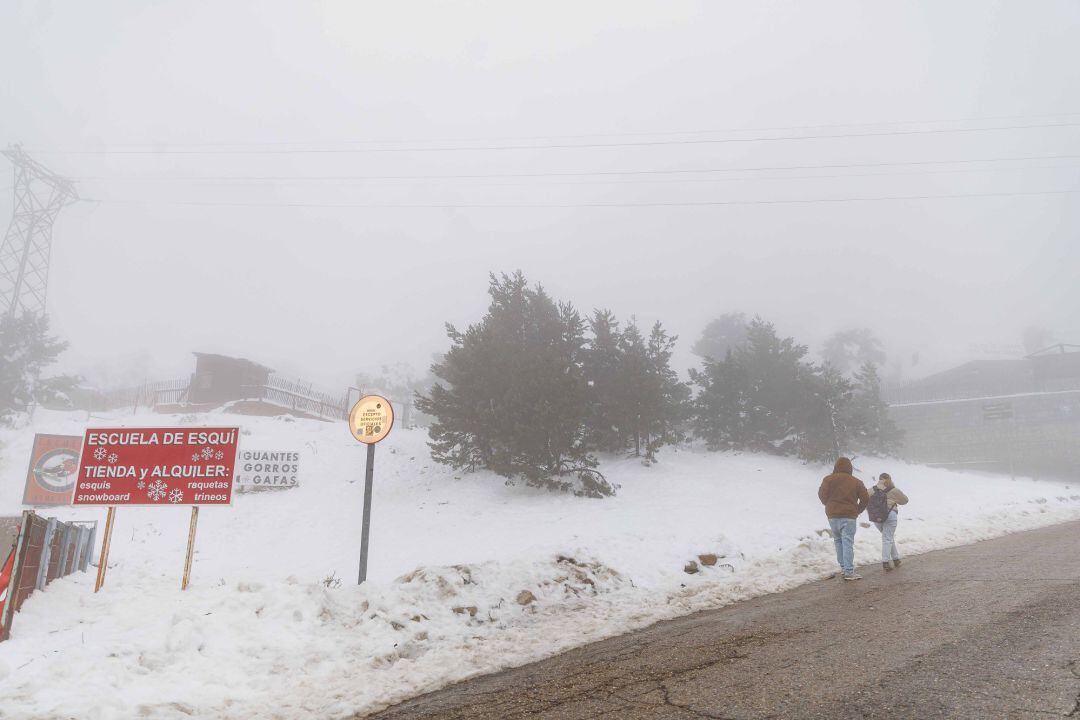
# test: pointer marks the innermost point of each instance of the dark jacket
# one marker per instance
(843, 494)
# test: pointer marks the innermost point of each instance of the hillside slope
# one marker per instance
(467, 574)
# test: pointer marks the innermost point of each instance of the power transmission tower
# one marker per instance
(40, 194)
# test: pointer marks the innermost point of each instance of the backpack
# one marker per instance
(878, 509)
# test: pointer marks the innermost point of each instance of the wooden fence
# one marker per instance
(148, 394)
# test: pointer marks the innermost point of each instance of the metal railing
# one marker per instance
(302, 397)
(914, 393)
(296, 395)
(46, 549)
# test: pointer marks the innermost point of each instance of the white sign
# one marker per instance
(267, 468)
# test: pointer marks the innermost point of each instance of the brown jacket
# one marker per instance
(843, 494)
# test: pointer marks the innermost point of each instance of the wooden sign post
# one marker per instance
(369, 422)
(190, 546)
(103, 559)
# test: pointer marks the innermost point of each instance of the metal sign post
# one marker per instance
(369, 474)
(369, 421)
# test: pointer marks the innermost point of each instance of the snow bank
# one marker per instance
(467, 575)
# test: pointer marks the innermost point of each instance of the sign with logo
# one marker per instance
(157, 466)
(267, 469)
(371, 419)
(54, 465)
(998, 411)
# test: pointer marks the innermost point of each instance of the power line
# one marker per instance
(218, 182)
(153, 146)
(596, 173)
(704, 203)
(645, 143)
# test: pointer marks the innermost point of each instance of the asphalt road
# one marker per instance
(990, 630)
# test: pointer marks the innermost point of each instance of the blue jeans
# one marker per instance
(888, 538)
(843, 535)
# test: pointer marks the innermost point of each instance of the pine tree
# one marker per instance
(26, 349)
(774, 371)
(635, 389)
(669, 395)
(765, 397)
(511, 393)
(822, 425)
(850, 349)
(601, 367)
(719, 410)
(721, 335)
(636, 401)
(872, 430)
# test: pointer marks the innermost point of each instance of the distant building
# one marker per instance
(241, 386)
(1015, 416)
(220, 379)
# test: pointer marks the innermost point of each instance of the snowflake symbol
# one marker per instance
(141, 485)
(99, 454)
(176, 496)
(195, 457)
(113, 457)
(219, 455)
(207, 453)
(157, 490)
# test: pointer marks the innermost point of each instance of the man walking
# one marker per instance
(844, 497)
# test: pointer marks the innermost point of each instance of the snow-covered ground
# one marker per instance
(455, 561)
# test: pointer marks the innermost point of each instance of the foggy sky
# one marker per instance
(139, 278)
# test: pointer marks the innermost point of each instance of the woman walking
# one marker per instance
(885, 500)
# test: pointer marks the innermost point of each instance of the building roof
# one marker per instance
(1055, 350)
(1051, 369)
(975, 379)
(251, 364)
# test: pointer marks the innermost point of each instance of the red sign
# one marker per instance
(157, 466)
(54, 463)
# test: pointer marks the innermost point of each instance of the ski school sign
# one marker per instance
(156, 466)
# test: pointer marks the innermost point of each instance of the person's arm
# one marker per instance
(897, 496)
(864, 498)
(823, 492)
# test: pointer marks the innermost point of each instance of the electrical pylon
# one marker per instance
(40, 194)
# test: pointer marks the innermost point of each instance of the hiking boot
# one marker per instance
(853, 576)
(896, 562)
(888, 566)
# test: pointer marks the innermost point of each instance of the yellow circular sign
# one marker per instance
(371, 418)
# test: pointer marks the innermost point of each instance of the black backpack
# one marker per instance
(878, 509)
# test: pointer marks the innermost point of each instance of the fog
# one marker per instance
(908, 167)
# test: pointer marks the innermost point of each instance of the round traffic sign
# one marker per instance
(371, 418)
